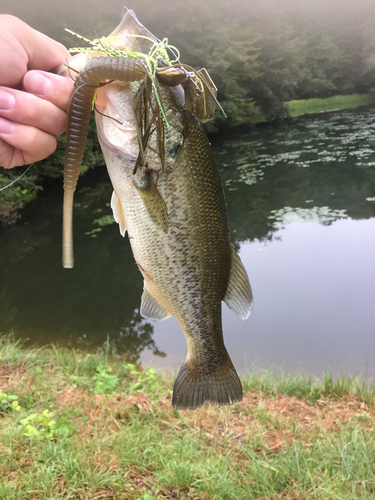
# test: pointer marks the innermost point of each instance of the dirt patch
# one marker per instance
(74, 397)
(276, 421)
(327, 414)
(10, 377)
(114, 409)
(96, 404)
(6, 373)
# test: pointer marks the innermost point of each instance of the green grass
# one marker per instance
(80, 426)
(335, 103)
(310, 106)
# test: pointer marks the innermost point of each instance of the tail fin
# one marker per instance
(193, 388)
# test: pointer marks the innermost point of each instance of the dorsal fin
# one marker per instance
(239, 296)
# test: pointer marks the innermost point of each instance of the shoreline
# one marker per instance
(303, 107)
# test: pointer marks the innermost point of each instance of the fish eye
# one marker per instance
(174, 150)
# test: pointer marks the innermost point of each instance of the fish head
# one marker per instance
(130, 118)
(117, 129)
(114, 105)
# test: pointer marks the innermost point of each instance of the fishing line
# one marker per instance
(18, 178)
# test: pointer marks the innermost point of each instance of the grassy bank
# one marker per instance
(78, 426)
(310, 106)
(335, 103)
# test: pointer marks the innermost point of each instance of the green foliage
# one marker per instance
(146, 380)
(105, 382)
(128, 377)
(270, 55)
(9, 403)
(146, 496)
(12, 198)
(229, 52)
(42, 426)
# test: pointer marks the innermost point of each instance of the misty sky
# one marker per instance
(90, 15)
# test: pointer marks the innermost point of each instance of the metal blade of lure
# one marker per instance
(212, 89)
(200, 90)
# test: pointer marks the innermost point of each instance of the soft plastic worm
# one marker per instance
(96, 73)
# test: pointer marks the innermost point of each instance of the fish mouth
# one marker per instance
(114, 118)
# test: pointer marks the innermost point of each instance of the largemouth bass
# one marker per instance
(175, 215)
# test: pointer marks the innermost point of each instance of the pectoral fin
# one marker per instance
(239, 296)
(151, 308)
(152, 199)
(118, 213)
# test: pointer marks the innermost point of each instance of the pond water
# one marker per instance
(301, 204)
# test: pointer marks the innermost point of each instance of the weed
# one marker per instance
(105, 382)
(343, 386)
(42, 426)
(9, 402)
(146, 381)
(284, 383)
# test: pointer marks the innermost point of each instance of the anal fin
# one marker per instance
(118, 213)
(239, 296)
(151, 308)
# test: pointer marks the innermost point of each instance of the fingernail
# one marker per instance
(7, 100)
(39, 84)
(6, 127)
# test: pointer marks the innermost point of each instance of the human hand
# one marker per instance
(33, 103)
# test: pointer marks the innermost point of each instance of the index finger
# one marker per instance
(25, 49)
(58, 92)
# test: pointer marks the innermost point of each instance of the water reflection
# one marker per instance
(314, 288)
(320, 168)
(82, 306)
(313, 301)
